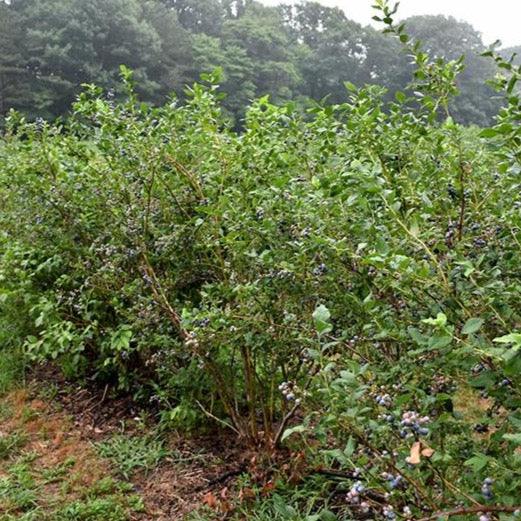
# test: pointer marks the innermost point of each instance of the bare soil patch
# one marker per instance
(60, 429)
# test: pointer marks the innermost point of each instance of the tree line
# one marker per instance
(48, 48)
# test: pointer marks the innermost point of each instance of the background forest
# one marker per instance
(48, 48)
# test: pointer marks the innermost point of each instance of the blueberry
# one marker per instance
(319, 270)
(481, 427)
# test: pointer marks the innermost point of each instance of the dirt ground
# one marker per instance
(63, 427)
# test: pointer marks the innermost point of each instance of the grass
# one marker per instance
(46, 475)
(10, 442)
(131, 454)
(28, 492)
(11, 370)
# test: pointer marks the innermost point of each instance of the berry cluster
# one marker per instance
(372, 271)
(412, 425)
(202, 322)
(289, 390)
(355, 493)
(383, 399)
(319, 270)
(481, 427)
(354, 340)
(280, 275)
(485, 489)
(394, 481)
(388, 512)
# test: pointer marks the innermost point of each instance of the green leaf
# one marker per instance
(512, 338)
(414, 230)
(488, 132)
(449, 123)
(484, 379)
(472, 325)
(513, 362)
(400, 96)
(120, 340)
(469, 268)
(292, 430)
(327, 515)
(439, 341)
(321, 317)
(418, 336)
(516, 438)
(515, 421)
(440, 320)
(350, 447)
(477, 462)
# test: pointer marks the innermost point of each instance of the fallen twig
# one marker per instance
(470, 510)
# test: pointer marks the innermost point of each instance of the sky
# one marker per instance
(494, 19)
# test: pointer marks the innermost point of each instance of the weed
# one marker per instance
(12, 367)
(18, 489)
(28, 414)
(133, 453)
(11, 442)
(56, 473)
(6, 410)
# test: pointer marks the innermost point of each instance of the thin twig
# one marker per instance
(98, 403)
(208, 413)
(293, 410)
(283, 423)
(470, 510)
(226, 475)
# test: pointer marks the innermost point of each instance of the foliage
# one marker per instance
(292, 52)
(449, 39)
(13, 76)
(505, 134)
(356, 261)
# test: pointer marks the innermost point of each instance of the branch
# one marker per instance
(283, 423)
(470, 510)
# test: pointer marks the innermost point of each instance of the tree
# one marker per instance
(331, 52)
(198, 16)
(69, 42)
(172, 67)
(383, 62)
(14, 91)
(255, 53)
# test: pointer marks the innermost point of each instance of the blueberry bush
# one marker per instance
(341, 282)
